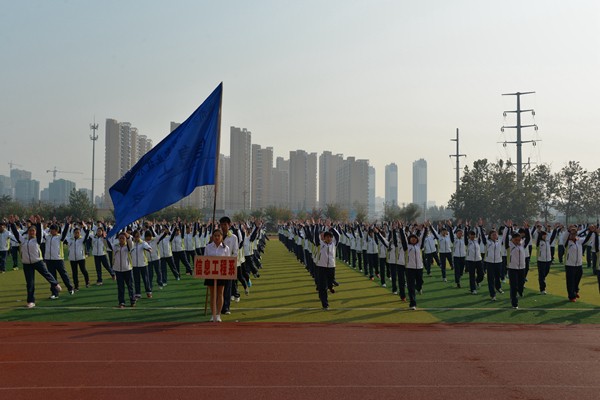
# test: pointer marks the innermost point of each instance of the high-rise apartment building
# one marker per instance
(303, 180)
(329, 164)
(352, 183)
(371, 191)
(240, 164)
(27, 191)
(391, 184)
(280, 183)
(123, 149)
(59, 191)
(420, 183)
(262, 167)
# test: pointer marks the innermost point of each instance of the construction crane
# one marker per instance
(12, 164)
(55, 171)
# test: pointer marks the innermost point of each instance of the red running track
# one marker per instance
(248, 361)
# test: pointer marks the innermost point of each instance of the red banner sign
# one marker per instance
(209, 267)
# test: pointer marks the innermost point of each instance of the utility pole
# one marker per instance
(93, 138)
(519, 142)
(458, 156)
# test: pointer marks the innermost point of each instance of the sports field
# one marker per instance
(285, 293)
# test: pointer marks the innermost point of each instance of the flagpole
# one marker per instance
(218, 155)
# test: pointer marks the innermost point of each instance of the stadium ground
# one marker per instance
(286, 293)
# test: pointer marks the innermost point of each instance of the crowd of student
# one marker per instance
(141, 254)
(401, 252)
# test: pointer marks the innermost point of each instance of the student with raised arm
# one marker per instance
(325, 263)
(153, 258)
(140, 251)
(414, 264)
(383, 249)
(122, 268)
(55, 257)
(517, 254)
(473, 259)
(429, 250)
(32, 259)
(544, 256)
(99, 251)
(493, 261)
(445, 248)
(178, 249)
(77, 257)
(166, 255)
(459, 253)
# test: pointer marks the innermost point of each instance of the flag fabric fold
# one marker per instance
(182, 161)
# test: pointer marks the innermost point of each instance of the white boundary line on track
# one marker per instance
(296, 361)
(29, 388)
(311, 308)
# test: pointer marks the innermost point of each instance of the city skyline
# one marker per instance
(385, 81)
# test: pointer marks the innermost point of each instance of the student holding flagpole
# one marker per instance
(216, 287)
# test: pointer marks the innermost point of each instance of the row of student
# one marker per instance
(394, 251)
(144, 257)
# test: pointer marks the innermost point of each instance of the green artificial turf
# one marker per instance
(285, 292)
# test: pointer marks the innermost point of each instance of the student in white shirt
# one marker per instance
(459, 254)
(517, 251)
(325, 264)
(574, 262)
(473, 260)
(414, 264)
(445, 248)
(493, 261)
(122, 268)
(99, 251)
(32, 260)
(544, 257)
(140, 251)
(76, 245)
(216, 248)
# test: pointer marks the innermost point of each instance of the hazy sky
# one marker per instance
(389, 81)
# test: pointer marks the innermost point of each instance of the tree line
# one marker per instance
(490, 190)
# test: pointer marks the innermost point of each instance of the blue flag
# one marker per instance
(185, 159)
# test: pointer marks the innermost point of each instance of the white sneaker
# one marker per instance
(212, 319)
(395, 293)
(53, 297)
(444, 280)
(232, 298)
(420, 291)
(412, 308)
(474, 292)
(543, 292)
(247, 291)
(494, 298)
(383, 285)
(30, 305)
(219, 318)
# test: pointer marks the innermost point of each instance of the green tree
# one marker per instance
(591, 205)
(410, 213)
(544, 190)
(571, 190)
(335, 212)
(391, 212)
(80, 207)
(361, 212)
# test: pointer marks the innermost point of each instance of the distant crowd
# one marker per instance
(137, 257)
(400, 252)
